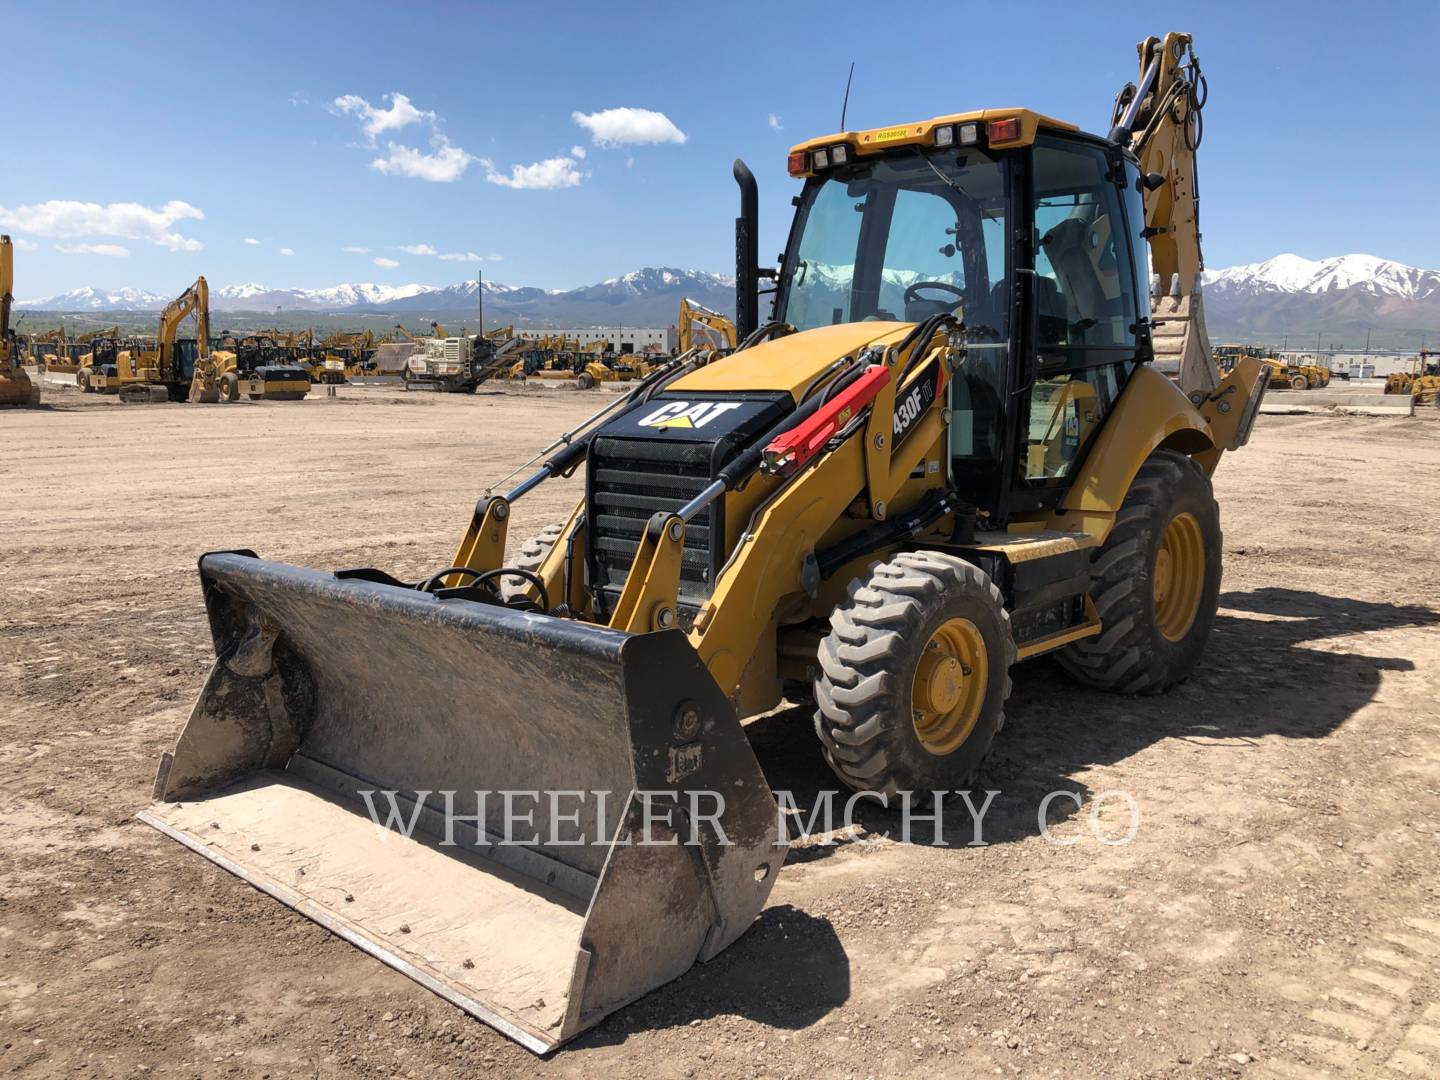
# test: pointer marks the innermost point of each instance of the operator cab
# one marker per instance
(1027, 229)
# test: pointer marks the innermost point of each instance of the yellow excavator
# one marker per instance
(966, 437)
(142, 373)
(698, 326)
(16, 387)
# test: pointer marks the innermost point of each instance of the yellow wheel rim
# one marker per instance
(948, 691)
(1179, 576)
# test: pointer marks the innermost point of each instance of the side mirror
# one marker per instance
(1152, 180)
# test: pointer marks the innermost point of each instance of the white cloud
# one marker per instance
(577, 152)
(418, 249)
(552, 173)
(356, 250)
(287, 251)
(445, 164)
(65, 219)
(250, 240)
(376, 121)
(111, 251)
(617, 127)
(21, 244)
(775, 124)
(384, 263)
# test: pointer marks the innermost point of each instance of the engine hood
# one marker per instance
(787, 364)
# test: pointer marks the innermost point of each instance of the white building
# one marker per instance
(629, 339)
(1364, 365)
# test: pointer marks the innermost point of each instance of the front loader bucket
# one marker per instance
(637, 836)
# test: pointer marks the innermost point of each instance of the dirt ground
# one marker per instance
(1277, 912)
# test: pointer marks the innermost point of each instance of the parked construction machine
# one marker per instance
(1421, 382)
(957, 443)
(698, 325)
(49, 349)
(16, 386)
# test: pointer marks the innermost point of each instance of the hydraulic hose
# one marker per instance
(482, 577)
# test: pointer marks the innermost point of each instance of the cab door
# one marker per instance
(1087, 324)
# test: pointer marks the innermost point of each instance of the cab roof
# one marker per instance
(876, 140)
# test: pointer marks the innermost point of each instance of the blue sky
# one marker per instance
(1321, 134)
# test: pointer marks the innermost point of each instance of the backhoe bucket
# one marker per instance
(575, 814)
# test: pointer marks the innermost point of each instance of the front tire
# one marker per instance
(532, 555)
(1155, 583)
(914, 675)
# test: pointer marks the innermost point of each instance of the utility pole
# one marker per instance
(480, 299)
(1367, 341)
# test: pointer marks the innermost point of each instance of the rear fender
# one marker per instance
(1152, 413)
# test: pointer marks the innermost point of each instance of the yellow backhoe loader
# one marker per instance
(955, 445)
(16, 387)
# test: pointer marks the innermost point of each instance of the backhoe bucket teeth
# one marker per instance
(638, 835)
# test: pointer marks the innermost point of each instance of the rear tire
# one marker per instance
(914, 675)
(1299, 382)
(532, 554)
(229, 387)
(1153, 625)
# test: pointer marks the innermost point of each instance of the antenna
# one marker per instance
(845, 105)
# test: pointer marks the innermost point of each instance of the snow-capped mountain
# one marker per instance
(92, 299)
(646, 297)
(660, 278)
(253, 297)
(1345, 299)
(1293, 274)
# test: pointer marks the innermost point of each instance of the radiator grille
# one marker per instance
(632, 479)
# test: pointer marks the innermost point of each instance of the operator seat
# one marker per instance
(1084, 295)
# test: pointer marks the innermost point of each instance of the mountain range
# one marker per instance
(1342, 298)
(1345, 299)
(648, 297)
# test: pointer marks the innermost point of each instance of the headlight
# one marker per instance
(821, 158)
(945, 135)
(839, 155)
(969, 134)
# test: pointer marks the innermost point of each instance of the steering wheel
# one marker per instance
(913, 292)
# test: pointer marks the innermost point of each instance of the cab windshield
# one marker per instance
(901, 237)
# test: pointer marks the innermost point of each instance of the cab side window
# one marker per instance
(1086, 291)
(1087, 310)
